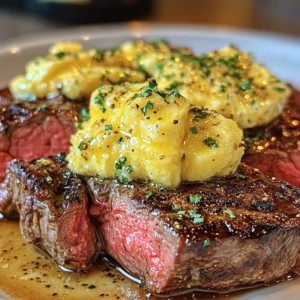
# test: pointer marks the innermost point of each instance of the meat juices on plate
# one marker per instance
(53, 205)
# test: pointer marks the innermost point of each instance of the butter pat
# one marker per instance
(139, 132)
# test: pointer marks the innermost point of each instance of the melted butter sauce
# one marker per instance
(25, 274)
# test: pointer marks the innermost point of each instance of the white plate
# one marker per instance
(279, 53)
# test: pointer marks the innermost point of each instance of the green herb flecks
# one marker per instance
(100, 100)
(149, 105)
(210, 142)
(89, 141)
(81, 146)
(195, 198)
(245, 85)
(91, 287)
(108, 127)
(229, 62)
(157, 42)
(251, 137)
(176, 208)
(150, 195)
(129, 169)
(84, 114)
(280, 90)
(230, 213)
(60, 55)
(200, 114)
(206, 243)
(193, 130)
(44, 106)
(99, 55)
(252, 102)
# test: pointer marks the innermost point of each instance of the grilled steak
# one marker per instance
(227, 232)
(274, 149)
(53, 206)
(30, 130)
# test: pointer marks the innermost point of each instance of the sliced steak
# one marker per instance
(223, 233)
(275, 148)
(30, 130)
(53, 206)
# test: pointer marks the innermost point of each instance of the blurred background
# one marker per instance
(18, 17)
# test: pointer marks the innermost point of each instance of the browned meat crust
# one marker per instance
(53, 206)
(249, 233)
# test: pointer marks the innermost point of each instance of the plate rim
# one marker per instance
(138, 30)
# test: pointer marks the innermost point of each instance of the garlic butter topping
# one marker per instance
(72, 72)
(228, 81)
(137, 131)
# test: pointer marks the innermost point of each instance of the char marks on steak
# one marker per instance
(275, 148)
(53, 206)
(249, 234)
(30, 130)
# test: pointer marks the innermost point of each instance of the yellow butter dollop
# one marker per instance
(137, 131)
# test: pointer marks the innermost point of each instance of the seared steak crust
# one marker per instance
(15, 112)
(53, 206)
(34, 129)
(274, 148)
(250, 223)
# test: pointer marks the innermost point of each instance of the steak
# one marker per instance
(275, 148)
(30, 130)
(226, 232)
(53, 206)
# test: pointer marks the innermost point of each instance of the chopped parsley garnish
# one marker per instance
(198, 220)
(230, 213)
(129, 169)
(135, 96)
(209, 142)
(59, 154)
(150, 195)
(78, 125)
(108, 127)
(174, 85)
(195, 198)
(113, 50)
(241, 176)
(252, 137)
(194, 130)
(223, 88)
(159, 67)
(120, 140)
(84, 114)
(199, 114)
(176, 208)
(235, 74)
(60, 55)
(181, 213)
(43, 106)
(100, 100)
(67, 173)
(91, 287)
(281, 90)
(149, 105)
(281, 196)
(229, 62)
(100, 88)
(89, 141)
(99, 55)
(252, 102)
(80, 147)
(206, 243)
(119, 165)
(110, 90)
(245, 85)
